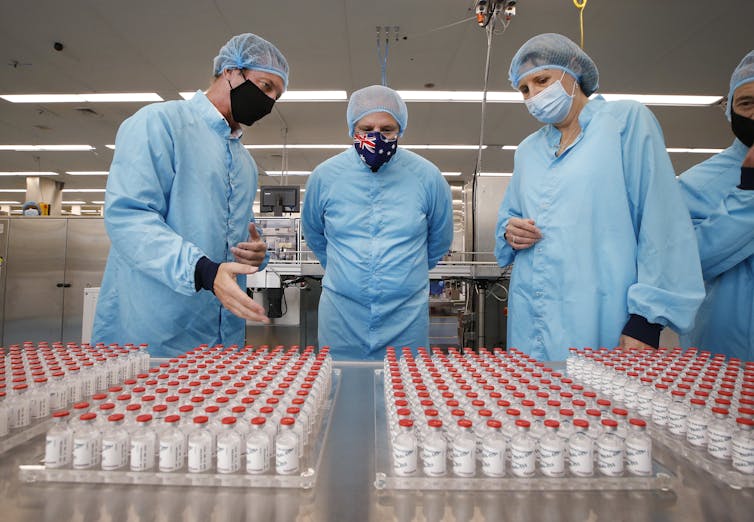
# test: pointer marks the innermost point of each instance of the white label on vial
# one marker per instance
(171, 455)
(696, 431)
(660, 413)
(286, 458)
(644, 404)
(742, 454)
(522, 460)
(3, 422)
(551, 460)
(677, 421)
(114, 454)
(142, 455)
(85, 452)
(581, 458)
(639, 457)
(199, 456)
(228, 457)
(56, 450)
(20, 414)
(257, 456)
(609, 459)
(493, 460)
(463, 459)
(718, 444)
(39, 406)
(434, 459)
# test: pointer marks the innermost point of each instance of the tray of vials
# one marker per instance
(696, 404)
(497, 420)
(37, 380)
(214, 417)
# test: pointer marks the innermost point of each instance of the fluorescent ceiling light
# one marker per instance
(495, 174)
(73, 203)
(510, 147)
(13, 190)
(32, 148)
(296, 96)
(666, 99)
(83, 98)
(27, 173)
(111, 147)
(451, 174)
(442, 147)
(83, 190)
(98, 202)
(10, 202)
(461, 96)
(87, 172)
(694, 150)
(288, 172)
(299, 146)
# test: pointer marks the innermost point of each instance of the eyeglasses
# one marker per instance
(387, 135)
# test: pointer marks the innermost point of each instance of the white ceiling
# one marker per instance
(167, 46)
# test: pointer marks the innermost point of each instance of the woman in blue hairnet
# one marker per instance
(178, 210)
(378, 218)
(603, 251)
(720, 195)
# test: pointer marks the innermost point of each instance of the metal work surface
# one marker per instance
(345, 489)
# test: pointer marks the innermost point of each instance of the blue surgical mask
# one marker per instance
(551, 104)
(374, 149)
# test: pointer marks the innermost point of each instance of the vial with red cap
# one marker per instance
(59, 442)
(143, 444)
(638, 448)
(115, 444)
(523, 451)
(581, 450)
(171, 441)
(434, 450)
(258, 447)
(493, 450)
(742, 446)
(719, 434)
(610, 450)
(551, 450)
(463, 449)
(287, 460)
(229, 447)
(200, 446)
(86, 443)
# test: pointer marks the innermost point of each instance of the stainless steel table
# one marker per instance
(345, 491)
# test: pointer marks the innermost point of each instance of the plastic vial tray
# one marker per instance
(304, 480)
(699, 457)
(18, 437)
(661, 478)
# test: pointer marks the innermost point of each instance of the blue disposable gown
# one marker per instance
(377, 235)
(616, 238)
(723, 217)
(181, 186)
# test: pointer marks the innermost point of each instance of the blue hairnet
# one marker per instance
(554, 51)
(744, 73)
(249, 51)
(376, 98)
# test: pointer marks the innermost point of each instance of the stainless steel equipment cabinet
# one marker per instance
(48, 264)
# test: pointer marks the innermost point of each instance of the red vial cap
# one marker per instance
(550, 423)
(258, 421)
(593, 413)
(435, 423)
(637, 422)
(494, 424)
(229, 420)
(523, 423)
(609, 423)
(115, 417)
(88, 416)
(720, 411)
(172, 418)
(143, 418)
(201, 419)
(464, 423)
(60, 414)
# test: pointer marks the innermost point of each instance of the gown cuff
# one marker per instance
(641, 329)
(205, 273)
(747, 178)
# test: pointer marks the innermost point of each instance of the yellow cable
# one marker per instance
(580, 5)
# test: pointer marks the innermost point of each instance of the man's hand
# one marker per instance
(251, 252)
(521, 233)
(232, 297)
(629, 343)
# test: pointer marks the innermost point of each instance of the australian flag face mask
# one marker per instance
(374, 149)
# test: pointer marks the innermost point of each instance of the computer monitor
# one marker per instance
(279, 199)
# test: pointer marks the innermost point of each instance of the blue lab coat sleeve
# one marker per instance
(141, 177)
(669, 286)
(509, 208)
(439, 220)
(313, 218)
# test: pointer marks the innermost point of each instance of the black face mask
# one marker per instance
(743, 128)
(248, 103)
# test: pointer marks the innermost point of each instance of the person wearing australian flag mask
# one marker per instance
(178, 210)
(720, 195)
(378, 218)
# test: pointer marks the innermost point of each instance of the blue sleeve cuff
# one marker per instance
(641, 329)
(205, 273)
(747, 178)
